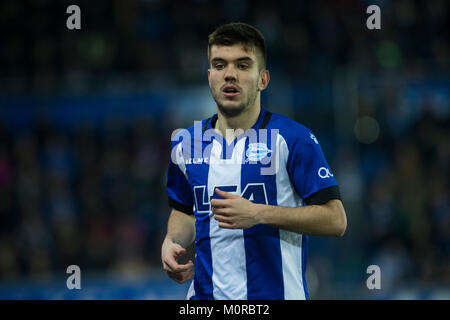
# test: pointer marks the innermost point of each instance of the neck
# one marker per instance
(227, 126)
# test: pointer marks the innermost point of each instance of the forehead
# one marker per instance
(233, 52)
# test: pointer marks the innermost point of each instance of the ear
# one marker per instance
(263, 80)
(209, 76)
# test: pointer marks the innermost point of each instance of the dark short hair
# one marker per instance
(239, 33)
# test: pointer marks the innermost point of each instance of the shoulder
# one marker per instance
(292, 131)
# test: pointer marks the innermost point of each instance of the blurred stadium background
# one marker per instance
(86, 118)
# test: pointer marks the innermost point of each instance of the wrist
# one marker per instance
(168, 239)
(260, 213)
(173, 240)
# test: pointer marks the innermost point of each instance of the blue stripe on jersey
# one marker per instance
(203, 286)
(304, 255)
(203, 261)
(262, 242)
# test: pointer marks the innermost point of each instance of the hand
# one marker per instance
(170, 252)
(234, 212)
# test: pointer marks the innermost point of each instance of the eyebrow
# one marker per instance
(246, 59)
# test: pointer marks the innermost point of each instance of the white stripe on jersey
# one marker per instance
(227, 245)
(191, 291)
(180, 159)
(290, 242)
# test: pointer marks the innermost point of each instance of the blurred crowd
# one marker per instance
(87, 196)
(407, 204)
(94, 195)
(145, 43)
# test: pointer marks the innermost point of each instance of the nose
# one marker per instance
(230, 73)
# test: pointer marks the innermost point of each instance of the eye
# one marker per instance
(243, 66)
(219, 66)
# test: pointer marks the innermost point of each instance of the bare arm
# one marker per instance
(180, 235)
(181, 228)
(328, 219)
(236, 212)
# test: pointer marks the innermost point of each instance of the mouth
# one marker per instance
(230, 91)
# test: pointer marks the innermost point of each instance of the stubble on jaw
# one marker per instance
(236, 111)
(231, 112)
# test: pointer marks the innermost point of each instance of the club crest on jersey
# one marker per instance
(256, 152)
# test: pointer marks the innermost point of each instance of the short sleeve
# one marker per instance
(309, 171)
(178, 188)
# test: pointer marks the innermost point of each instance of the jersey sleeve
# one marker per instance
(309, 171)
(178, 188)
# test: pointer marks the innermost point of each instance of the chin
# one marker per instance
(231, 109)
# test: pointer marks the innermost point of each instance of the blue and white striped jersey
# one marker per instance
(276, 162)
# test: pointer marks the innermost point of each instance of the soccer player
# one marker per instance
(249, 222)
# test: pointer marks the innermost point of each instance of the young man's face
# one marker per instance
(235, 78)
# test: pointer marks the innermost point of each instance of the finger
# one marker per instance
(179, 250)
(184, 276)
(170, 262)
(226, 195)
(181, 277)
(220, 203)
(167, 267)
(222, 218)
(174, 266)
(221, 211)
(227, 225)
(179, 268)
(189, 275)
